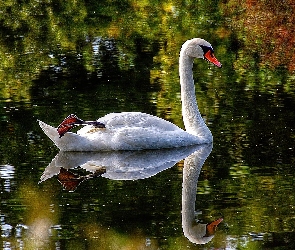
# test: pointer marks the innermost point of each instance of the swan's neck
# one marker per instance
(193, 121)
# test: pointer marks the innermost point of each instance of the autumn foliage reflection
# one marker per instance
(267, 28)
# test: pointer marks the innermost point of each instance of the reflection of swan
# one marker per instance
(119, 165)
(195, 232)
(134, 130)
(133, 165)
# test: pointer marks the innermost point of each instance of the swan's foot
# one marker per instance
(71, 121)
(67, 124)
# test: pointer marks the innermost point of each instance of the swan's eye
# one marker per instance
(206, 49)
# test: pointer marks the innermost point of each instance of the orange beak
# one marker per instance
(211, 58)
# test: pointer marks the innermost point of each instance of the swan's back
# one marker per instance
(137, 120)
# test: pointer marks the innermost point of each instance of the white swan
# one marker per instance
(135, 130)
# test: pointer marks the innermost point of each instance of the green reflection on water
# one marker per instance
(50, 67)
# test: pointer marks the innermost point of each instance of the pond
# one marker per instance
(91, 58)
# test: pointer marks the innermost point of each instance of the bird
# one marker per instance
(139, 131)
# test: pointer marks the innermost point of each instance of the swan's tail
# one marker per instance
(50, 131)
(66, 143)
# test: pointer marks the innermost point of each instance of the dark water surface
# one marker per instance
(95, 57)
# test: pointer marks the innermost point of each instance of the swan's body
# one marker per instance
(124, 131)
(135, 130)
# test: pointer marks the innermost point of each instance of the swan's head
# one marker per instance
(200, 48)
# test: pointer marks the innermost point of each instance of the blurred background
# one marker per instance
(91, 58)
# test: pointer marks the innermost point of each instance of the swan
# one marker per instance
(138, 131)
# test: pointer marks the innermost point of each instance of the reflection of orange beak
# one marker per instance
(211, 227)
(211, 58)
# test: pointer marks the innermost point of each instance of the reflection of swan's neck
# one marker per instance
(193, 121)
(192, 167)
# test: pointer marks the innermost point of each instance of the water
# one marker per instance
(94, 58)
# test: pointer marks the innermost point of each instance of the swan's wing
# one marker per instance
(137, 120)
